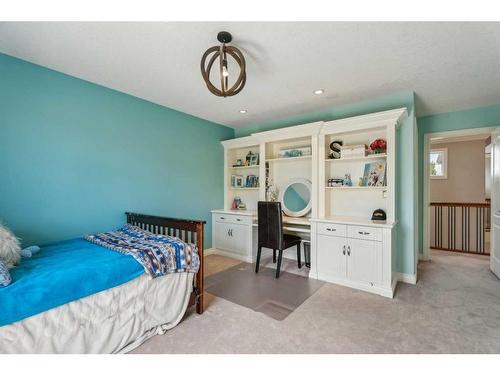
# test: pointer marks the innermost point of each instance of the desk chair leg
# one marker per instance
(274, 256)
(278, 267)
(258, 260)
(298, 255)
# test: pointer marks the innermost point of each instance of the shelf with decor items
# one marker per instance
(362, 158)
(357, 187)
(288, 154)
(241, 172)
(368, 173)
(290, 159)
(245, 167)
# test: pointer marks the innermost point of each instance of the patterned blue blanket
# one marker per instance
(158, 254)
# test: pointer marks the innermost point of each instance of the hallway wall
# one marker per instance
(466, 174)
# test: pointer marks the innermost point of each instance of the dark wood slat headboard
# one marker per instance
(191, 231)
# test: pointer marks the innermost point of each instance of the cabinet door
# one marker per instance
(222, 238)
(240, 239)
(233, 237)
(331, 257)
(364, 261)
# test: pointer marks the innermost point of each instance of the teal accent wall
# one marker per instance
(74, 156)
(407, 163)
(468, 119)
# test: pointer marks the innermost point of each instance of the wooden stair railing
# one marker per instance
(462, 227)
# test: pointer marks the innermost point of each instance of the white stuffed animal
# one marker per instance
(9, 247)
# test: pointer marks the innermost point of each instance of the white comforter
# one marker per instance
(113, 321)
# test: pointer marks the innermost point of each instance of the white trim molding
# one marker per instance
(425, 205)
(228, 254)
(407, 278)
(423, 257)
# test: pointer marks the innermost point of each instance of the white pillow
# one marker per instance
(9, 247)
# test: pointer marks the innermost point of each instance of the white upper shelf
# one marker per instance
(293, 158)
(369, 157)
(245, 167)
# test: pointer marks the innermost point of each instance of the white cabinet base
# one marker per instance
(376, 289)
(356, 256)
(233, 235)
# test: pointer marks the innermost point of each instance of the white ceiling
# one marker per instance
(450, 66)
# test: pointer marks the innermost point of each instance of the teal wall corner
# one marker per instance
(406, 190)
(74, 156)
(480, 117)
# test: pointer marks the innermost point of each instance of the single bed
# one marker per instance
(122, 306)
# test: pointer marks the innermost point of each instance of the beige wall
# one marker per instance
(466, 174)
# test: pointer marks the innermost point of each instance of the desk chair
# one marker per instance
(271, 234)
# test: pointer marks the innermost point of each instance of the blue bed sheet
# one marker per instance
(61, 273)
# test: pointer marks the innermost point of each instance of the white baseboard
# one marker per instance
(407, 278)
(385, 292)
(209, 251)
(228, 254)
(495, 266)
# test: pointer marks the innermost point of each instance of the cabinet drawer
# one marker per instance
(332, 229)
(234, 219)
(364, 233)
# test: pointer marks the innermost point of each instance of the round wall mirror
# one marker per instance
(296, 197)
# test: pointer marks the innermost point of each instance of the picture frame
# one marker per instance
(239, 181)
(374, 174)
(254, 159)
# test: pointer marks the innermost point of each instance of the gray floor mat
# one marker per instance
(262, 292)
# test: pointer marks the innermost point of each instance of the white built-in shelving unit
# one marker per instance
(347, 247)
(357, 201)
(235, 149)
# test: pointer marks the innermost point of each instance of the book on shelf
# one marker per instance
(375, 174)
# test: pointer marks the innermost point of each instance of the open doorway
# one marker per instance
(457, 186)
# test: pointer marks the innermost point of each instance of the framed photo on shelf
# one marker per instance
(374, 174)
(254, 159)
(239, 181)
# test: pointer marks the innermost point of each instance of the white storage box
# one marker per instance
(353, 151)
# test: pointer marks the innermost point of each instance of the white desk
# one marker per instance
(292, 224)
(235, 233)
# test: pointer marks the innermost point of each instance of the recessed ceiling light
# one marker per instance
(319, 92)
(243, 111)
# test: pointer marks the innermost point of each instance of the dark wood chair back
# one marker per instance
(270, 225)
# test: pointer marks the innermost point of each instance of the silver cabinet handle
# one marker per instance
(343, 250)
(364, 233)
(349, 250)
(331, 229)
(229, 230)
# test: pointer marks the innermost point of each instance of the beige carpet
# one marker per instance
(454, 308)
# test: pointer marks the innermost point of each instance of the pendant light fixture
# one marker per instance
(221, 54)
